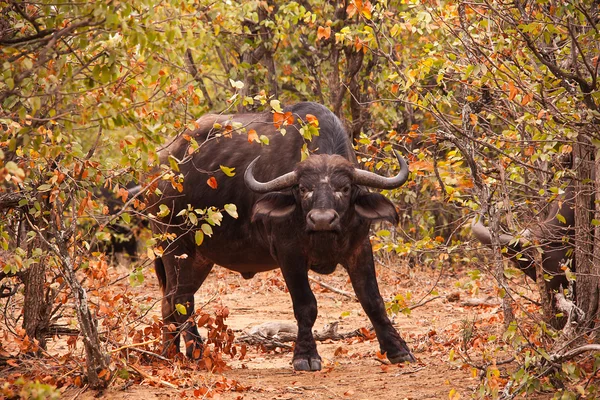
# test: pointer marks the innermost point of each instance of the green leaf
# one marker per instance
(276, 106)
(193, 218)
(174, 163)
(163, 211)
(207, 229)
(561, 218)
(227, 171)
(44, 188)
(199, 237)
(231, 209)
(236, 84)
(181, 309)
(126, 218)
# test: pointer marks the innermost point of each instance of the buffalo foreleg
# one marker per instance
(306, 357)
(361, 269)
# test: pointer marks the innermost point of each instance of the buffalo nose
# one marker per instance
(322, 220)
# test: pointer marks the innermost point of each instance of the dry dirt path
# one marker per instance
(352, 369)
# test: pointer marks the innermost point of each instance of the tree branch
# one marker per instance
(197, 77)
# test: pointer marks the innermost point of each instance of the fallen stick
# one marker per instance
(133, 345)
(476, 302)
(333, 289)
(575, 352)
(149, 377)
(277, 334)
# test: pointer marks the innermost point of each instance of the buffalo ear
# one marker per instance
(374, 206)
(273, 205)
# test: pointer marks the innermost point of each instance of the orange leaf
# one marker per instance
(513, 90)
(323, 32)
(212, 182)
(311, 119)
(252, 136)
(529, 151)
(473, 118)
(123, 194)
(526, 99)
(566, 149)
(280, 119)
(351, 10)
(82, 206)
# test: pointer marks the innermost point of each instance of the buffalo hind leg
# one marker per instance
(361, 269)
(183, 279)
(306, 357)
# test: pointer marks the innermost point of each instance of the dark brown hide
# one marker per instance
(555, 238)
(321, 221)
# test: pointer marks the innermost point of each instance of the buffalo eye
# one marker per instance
(303, 189)
(346, 189)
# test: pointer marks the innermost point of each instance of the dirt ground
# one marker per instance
(351, 368)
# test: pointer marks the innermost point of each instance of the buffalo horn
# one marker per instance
(370, 179)
(482, 233)
(283, 182)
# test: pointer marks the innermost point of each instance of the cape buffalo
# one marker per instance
(294, 215)
(555, 235)
(123, 237)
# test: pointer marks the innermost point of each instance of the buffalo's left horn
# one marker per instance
(283, 182)
(370, 179)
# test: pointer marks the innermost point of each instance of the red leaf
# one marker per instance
(212, 182)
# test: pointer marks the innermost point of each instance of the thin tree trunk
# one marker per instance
(35, 308)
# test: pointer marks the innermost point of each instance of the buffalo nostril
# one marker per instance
(334, 217)
(322, 219)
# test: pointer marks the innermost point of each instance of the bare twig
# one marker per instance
(333, 289)
(423, 302)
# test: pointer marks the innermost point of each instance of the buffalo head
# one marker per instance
(327, 189)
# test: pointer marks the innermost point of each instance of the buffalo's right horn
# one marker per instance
(373, 180)
(483, 234)
(283, 182)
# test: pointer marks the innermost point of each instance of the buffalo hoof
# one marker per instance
(303, 364)
(402, 357)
